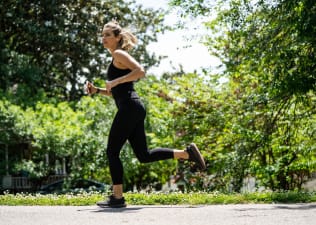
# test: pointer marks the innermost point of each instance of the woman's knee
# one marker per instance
(143, 158)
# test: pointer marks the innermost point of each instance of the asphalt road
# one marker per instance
(272, 214)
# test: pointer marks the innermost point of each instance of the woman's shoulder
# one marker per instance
(121, 59)
(120, 53)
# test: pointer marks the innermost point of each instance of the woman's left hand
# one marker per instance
(109, 85)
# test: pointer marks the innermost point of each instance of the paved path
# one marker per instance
(274, 214)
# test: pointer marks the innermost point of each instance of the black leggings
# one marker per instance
(128, 124)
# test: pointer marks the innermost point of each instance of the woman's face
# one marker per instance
(109, 40)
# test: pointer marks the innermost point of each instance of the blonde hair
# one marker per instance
(128, 40)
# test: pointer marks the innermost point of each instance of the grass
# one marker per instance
(161, 198)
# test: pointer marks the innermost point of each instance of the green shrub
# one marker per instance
(199, 198)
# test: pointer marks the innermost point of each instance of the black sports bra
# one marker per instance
(124, 90)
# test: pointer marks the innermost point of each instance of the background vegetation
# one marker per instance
(259, 123)
(196, 198)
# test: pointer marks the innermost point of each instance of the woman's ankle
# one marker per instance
(118, 191)
(180, 154)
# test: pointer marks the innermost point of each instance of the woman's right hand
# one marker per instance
(90, 88)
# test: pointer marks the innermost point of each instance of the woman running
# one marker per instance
(128, 123)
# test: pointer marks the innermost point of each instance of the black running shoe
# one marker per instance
(112, 202)
(195, 156)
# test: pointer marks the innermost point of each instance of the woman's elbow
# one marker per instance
(142, 72)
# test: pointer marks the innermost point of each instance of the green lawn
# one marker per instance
(161, 198)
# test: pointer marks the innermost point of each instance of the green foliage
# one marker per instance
(161, 198)
(268, 105)
(267, 60)
(10, 115)
(192, 7)
(34, 170)
(51, 200)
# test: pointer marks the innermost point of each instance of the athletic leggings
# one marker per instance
(128, 124)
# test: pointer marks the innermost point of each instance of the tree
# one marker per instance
(60, 42)
(268, 49)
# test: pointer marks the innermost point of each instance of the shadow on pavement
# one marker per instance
(116, 210)
(297, 207)
(133, 208)
(303, 206)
